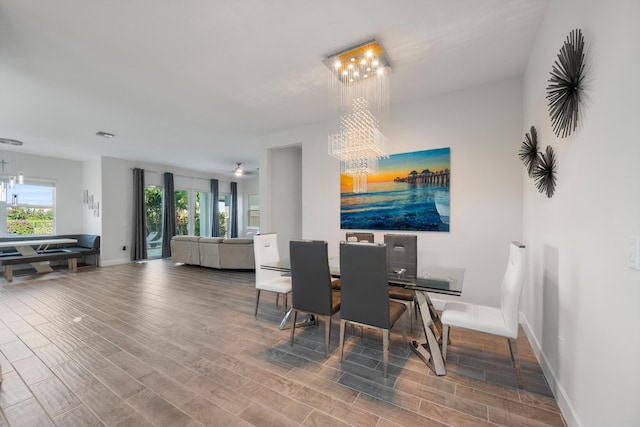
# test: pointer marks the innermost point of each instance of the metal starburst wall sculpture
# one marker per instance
(545, 172)
(529, 151)
(565, 85)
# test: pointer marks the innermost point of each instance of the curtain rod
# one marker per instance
(182, 176)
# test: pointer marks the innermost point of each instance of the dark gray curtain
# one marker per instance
(215, 212)
(169, 221)
(234, 210)
(139, 239)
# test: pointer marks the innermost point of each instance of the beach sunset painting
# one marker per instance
(409, 192)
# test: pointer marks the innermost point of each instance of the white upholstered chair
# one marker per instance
(501, 321)
(265, 250)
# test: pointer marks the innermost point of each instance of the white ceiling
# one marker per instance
(195, 83)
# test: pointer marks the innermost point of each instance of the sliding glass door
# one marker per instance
(182, 212)
(202, 214)
(224, 207)
(154, 200)
(193, 215)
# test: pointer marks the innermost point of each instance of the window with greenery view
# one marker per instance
(29, 210)
(224, 207)
(153, 200)
(202, 214)
(193, 210)
(254, 211)
(182, 212)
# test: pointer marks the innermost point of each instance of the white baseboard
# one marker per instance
(114, 262)
(568, 410)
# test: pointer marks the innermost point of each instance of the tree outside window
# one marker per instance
(153, 201)
(182, 212)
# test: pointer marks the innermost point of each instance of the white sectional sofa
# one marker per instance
(213, 252)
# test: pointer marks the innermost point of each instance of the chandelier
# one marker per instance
(8, 156)
(359, 92)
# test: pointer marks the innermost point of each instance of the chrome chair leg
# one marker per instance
(327, 333)
(410, 309)
(404, 330)
(294, 314)
(513, 349)
(385, 349)
(343, 324)
(255, 314)
(445, 341)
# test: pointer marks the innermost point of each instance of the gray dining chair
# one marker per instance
(402, 260)
(359, 237)
(365, 293)
(501, 321)
(311, 284)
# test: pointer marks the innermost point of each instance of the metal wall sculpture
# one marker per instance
(540, 166)
(565, 85)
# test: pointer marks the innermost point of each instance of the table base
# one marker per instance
(309, 320)
(40, 267)
(428, 352)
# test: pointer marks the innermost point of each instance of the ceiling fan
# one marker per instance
(240, 171)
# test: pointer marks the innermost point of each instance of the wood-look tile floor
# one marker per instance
(159, 344)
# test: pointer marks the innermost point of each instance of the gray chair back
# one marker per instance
(402, 253)
(364, 286)
(360, 237)
(310, 277)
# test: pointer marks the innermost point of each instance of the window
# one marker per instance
(29, 210)
(153, 200)
(224, 207)
(182, 212)
(193, 213)
(254, 211)
(202, 214)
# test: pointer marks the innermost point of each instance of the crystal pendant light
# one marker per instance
(9, 161)
(359, 92)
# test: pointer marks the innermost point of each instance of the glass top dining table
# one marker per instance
(439, 280)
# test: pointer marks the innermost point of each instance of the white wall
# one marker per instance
(281, 200)
(92, 182)
(483, 128)
(581, 301)
(250, 186)
(117, 184)
(117, 208)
